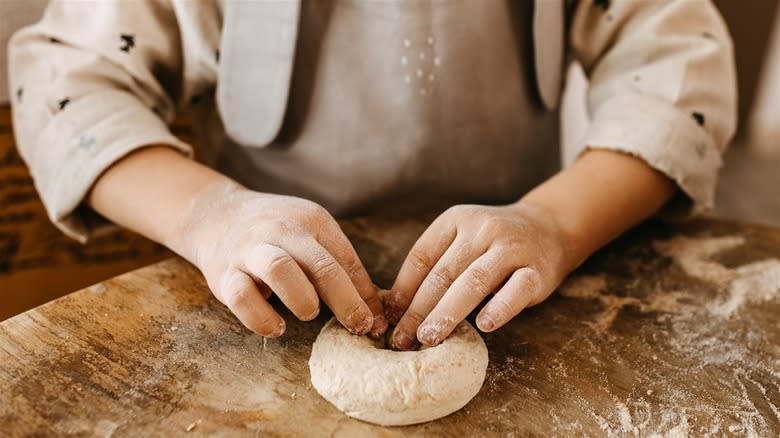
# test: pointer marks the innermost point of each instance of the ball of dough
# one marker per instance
(393, 388)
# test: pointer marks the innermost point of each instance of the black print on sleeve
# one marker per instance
(699, 117)
(603, 4)
(63, 103)
(19, 93)
(86, 141)
(128, 42)
(54, 40)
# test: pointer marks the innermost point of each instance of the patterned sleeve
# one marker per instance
(95, 80)
(662, 85)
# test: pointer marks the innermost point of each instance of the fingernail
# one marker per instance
(365, 326)
(402, 341)
(486, 323)
(380, 326)
(428, 335)
(361, 320)
(279, 329)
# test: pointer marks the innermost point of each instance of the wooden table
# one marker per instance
(673, 329)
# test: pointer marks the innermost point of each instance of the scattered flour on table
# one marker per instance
(584, 286)
(679, 431)
(696, 323)
(693, 255)
(755, 283)
(752, 283)
(595, 286)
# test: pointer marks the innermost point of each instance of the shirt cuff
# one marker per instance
(80, 142)
(665, 137)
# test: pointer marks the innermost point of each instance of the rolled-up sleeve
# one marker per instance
(662, 85)
(90, 83)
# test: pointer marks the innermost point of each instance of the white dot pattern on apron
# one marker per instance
(424, 71)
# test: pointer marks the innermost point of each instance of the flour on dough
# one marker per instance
(394, 388)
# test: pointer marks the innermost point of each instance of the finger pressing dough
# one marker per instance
(393, 388)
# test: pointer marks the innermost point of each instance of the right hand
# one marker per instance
(249, 244)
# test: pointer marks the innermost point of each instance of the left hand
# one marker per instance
(470, 251)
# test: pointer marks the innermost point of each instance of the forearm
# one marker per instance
(246, 244)
(598, 198)
(151, 191)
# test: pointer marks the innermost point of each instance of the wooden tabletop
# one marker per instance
(673, 329)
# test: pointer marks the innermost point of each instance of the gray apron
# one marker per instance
(387, 106)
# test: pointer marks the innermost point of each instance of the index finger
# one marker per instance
(332, 283)
(428, 249)
(342, 250)
(483, 276)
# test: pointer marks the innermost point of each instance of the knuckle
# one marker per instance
(353, 268)
(460, 209)
(527, 289)
(413, 317)
(239, 297)
(440, 279)
(513, 247)
(315, 212)
(325, 269)
(455, 210)
(278, 227)
(491, 226)
(531, 282)
(279, 264)
(420, 262)
(452, 215)
(534, 287)
(478, 282)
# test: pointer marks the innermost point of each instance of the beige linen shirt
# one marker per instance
(93, 81)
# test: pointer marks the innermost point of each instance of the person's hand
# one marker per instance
(469, 252)
(249, 244)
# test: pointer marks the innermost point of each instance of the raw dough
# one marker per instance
(394, 388)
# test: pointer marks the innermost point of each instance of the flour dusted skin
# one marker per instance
(394, 388)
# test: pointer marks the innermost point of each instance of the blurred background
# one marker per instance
(38, 263)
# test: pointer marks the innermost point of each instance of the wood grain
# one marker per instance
(672, 330)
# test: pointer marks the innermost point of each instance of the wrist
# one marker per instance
(600, 196)
(559, 224)
(159, 194)
(190, 234)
